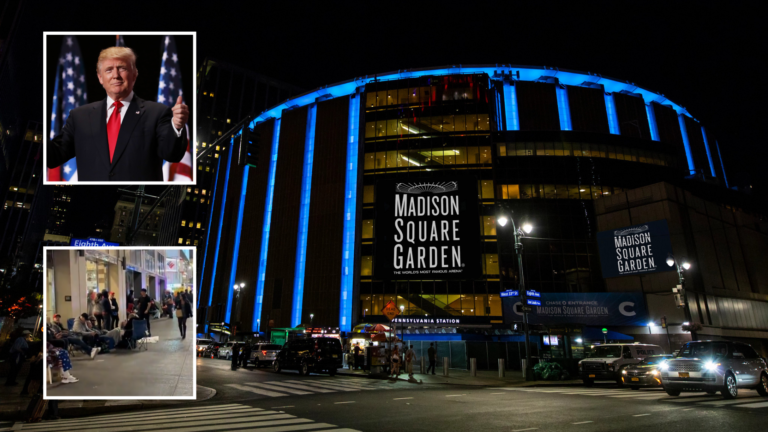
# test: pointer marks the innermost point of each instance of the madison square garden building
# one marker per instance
(388, 188)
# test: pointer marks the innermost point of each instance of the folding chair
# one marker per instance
(139, 333)
(70, 324)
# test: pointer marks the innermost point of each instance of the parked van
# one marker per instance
(606, 361)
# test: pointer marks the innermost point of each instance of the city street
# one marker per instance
(259, 399)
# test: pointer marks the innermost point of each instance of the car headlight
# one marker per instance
(623, 372)
(654, 372)
(664, 366)
(712, 367)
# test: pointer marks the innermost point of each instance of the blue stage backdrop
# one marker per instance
(594, 309)
(638, 249)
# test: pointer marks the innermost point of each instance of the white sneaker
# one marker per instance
(70, 380)
(94, 351)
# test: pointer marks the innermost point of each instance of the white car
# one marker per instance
(605, 362)
(225, 351)
(263, 354)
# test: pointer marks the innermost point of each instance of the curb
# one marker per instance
(500, 384)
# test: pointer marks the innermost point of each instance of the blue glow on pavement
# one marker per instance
(350, 212)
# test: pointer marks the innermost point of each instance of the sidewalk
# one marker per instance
(165, 369)
(462, 377)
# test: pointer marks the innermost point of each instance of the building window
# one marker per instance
(485, 189)
(489, 225)
(366, 266)
(491, 264)
(368, 228)
(198, 224)
(181, 240)
(203, 191)
(195, 242)
(183, 222)
(188, 241)
(368, 196)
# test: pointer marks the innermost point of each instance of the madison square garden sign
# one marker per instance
(638, 249)
(427, 229)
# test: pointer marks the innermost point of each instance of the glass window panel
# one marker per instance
(540, 149)
(370, 129)
(526, 191)
(573, 192)
(576, 149)
(620, 153)
(368, 228)
(489, 225)
(381, 128)
(392, 159)
(472, 155)
(635, 156)
(483, 123)
(561, 192)
(392, 97)
(381, 160)
(370, 99)
(585, 149)
(549, 149)
(402, 158)
(567, 149)
(485, 154)
(530, 149)
(558, 148)
(461, 155)
(448, 122)
(641, 157)
(611, 152)
(603, 151)
(504, 194)
(471, 120)
(513, 191)
(368, 196)
(520, 149)
(549, 191)
(403, 96)
(369, 160)
(502, 149)
(458, 123)
(596, 192)
(487, 189)
(413, 95)
(402, 127)
(585, 191)
(449, 156)
(392, 127)
(491, 264)
(425, 94)
(381, 98)
(366, 267)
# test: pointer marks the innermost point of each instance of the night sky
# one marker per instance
(706, 56)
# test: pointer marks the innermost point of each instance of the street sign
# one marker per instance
(91, 242)
(533, 302)
(510, 293)
(524, 308)
(390, 310)
(532, 293)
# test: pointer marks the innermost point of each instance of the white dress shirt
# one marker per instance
(124, 109)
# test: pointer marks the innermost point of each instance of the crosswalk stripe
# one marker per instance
(269, 386)
(203, 410)
(353, 383)
(323, 385)
(87, 423)
(300, 387)
(277, 426)
(257, 390)
(754, 405)
(731, 401)
(141, 426)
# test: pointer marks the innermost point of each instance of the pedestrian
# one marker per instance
(144, 305)
(106, 310)
(97, 310)
(358, 360)
(432, 356)
(246, 355)
(18, 354)
(235, 355)
(410, 358)
(183, 311)
(395, 369)
(115, 308)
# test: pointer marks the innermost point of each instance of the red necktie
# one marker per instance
(113, 128)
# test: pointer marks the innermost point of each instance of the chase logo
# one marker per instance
(623, 309)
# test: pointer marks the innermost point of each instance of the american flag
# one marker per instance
(167, 93)
(68, 93)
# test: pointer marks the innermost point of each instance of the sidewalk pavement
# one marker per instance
(462, 377)
(164, 369)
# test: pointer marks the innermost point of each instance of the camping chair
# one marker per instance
(70, 324)
(139, 333)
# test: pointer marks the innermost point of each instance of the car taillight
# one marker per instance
(264, 352)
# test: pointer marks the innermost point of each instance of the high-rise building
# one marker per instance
(148, 232)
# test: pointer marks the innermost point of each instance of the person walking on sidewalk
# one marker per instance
(145, 303)
(432, 356)
(115, 308)
(410, 358)
(395, 359)
(183, 311)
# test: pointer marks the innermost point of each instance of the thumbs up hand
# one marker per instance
(180, 114)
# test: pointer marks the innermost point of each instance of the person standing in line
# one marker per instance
(144, 304)
(432, 356)
(246, 355)
(410, 358)
(106, 310)
(115, 308)
(97, 310)
(17, 356)
(235, 355)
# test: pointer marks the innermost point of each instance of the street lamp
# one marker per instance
(650, 326)
(402, 308)
(518, 234)
(310, 319)
(685, 265)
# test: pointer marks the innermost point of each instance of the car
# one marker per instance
(605, 362)
(212, 349)
(644, 374)
(715, 366)
(201, 344)
(310, 355)
(225, 350)
(264, 353)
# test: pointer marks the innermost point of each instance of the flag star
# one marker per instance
(165, 55)
(167, 40)
(53, 134)
(173, 71)
(85, 96)
(71, 99)
(77, 60)
(70, 71)
(175, 58)
(179, 92)
(82, 78)
(68, 56)
(162, 84)
(70, 85)
(162, 71)
(79, 92)
(170, 86)
(63, 75)
(67, 169)
(69, 41)
(161, 98)
(61, 60)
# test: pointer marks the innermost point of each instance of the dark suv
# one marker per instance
(310, 355)
(714, 366)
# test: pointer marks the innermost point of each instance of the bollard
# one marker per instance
(523, 367)
(502, 370)
(473, 367)
(423, 366)
(445, 366)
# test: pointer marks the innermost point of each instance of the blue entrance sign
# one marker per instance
(532, 293)
(510, 293)
(91, 242)
(531, 302)
(638, 249)
(592, 309)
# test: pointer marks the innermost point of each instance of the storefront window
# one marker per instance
(160, 264)
(491, 264)
(149, 261)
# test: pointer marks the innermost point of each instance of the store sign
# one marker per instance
(91, 242)
(171, 265)
(638, 249)
(427, 320)
(427, 229)
(594, 309)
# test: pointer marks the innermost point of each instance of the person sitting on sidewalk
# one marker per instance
(81, 329)
(59, 358)
(60, 333)
(104, 336)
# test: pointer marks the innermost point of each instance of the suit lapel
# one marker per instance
(132, 118)
(99, 125)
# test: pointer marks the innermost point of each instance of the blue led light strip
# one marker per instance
(301, 246)
(350, 212)
(652, 122)
(208, 234)
(221, 221)
(709, 153)
(265, 229)
(610, 108)
(236, 249)
(688, 154)
(510, 107)
(563, 109)
(717, 144)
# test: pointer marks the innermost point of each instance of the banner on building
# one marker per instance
(427, 229)
(633, 250)
(171, 265)
(594, 309)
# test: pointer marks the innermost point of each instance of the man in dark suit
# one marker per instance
(123, 137)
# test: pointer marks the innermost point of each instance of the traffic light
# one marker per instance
(249, 147)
